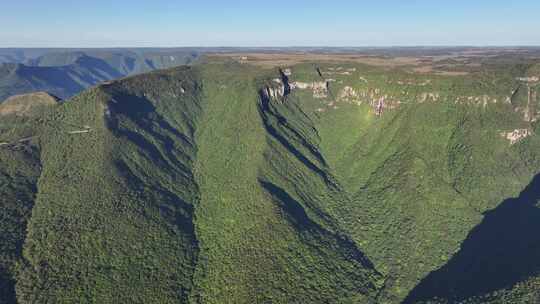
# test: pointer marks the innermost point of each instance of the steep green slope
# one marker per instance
(257, 244)
(228, 183)
(416, 179)
(152, 189)
(135, 233)
(18, 179)
(497, 263)
(20, 168)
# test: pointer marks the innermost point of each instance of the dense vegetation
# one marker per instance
(195, 185)
(421, 176)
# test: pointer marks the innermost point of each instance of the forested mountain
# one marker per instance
(314, 182)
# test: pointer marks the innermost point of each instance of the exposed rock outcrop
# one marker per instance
(319, 88)
(274, 92)
(529, 79)
(517, 135)
(348, 94)
(285, 86)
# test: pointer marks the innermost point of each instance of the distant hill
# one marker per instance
(21, 55)
(127, 62)
(67, 73)
(27, 55)
(64, 81)
(27, 104)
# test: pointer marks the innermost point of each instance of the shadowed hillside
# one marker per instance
(500, 252)
(226, 182)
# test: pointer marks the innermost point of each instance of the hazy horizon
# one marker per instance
(270, 47)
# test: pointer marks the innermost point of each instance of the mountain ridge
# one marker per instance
(66, 74)
(260, 195)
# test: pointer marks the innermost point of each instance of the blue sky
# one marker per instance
(112, 23)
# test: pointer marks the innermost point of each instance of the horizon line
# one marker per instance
(281, 47)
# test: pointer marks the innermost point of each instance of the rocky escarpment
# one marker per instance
(283, 86)
(352, 87)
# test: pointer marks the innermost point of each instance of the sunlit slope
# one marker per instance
(316, 183)
(151, 191)
(257, 246)
(112, 221)
(418, 178)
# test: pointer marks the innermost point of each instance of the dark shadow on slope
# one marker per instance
(135, 118)
(150, 64)
(267, 114)
(56, 80)
(141, 112)
(63, 81)
(500, 252)
(172, 207)
(311, 147)
(129, 63)
(170, 152)
(96, 67)
(324, 241)
(17, 195)
(174, 210)
(298, 216)
(7, 288)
